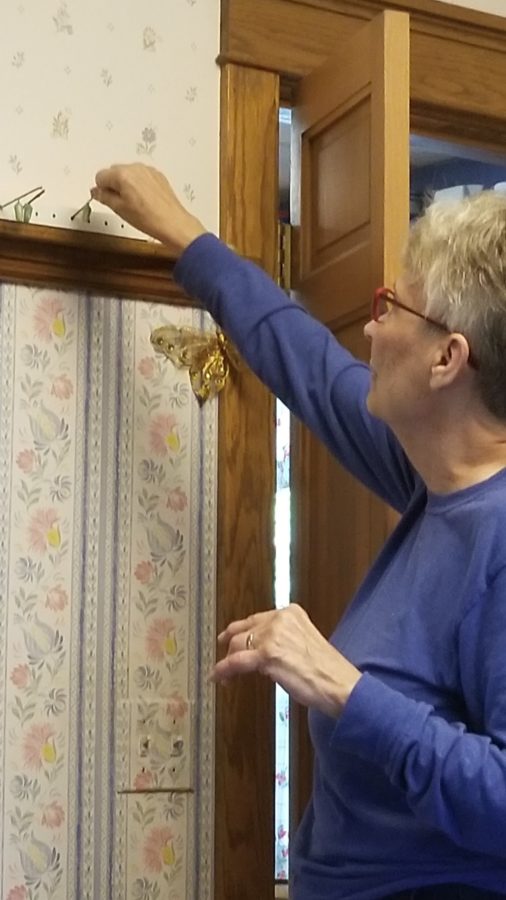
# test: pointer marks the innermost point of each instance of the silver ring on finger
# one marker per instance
(250, 641)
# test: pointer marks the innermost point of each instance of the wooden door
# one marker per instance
(350, 198)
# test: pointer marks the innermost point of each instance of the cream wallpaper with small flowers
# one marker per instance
(107, 475)
(84, 85)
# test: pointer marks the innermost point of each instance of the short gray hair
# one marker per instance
(456, 254)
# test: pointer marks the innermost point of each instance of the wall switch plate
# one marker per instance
(155, 744)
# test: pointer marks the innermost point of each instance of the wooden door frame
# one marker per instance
(266, 46)
(244, 811)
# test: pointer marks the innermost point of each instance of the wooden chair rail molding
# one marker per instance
(102, 264)
(292, 37)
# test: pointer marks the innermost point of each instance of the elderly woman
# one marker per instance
(407, 698)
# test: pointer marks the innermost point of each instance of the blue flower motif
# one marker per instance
(36, 859)
(61, 488)
(46, 427)
(147, 678)
(41, 641)
(27, 569)
(163, 539)
(21, 787)
(142, 889)
(33, 357)
(148, 470)
(56, 702)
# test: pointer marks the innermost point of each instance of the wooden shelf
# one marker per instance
(101, 264)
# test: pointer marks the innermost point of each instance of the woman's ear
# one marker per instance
(450, 360)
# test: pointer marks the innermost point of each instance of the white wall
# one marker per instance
(496, 7)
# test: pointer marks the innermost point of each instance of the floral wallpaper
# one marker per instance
(118, 85)
(106, 604)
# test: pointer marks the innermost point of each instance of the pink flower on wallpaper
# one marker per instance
(57, 598)
(281, 778)
(143, 781)
(176, 706)
(158, 849)
(282, 832)
(62, 387)
(26, 460)
(39, 746)
(144, 572)
(147, 367)
(53, 815)
(17, 893)
(44, 531)
(20, 676)
(177, 500)
(163, 435)
(48, 319)
(161, 639)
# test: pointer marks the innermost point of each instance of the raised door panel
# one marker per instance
(336, 238)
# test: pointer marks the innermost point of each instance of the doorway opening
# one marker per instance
(450, 170)
(282, 519)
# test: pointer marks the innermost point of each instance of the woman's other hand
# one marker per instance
(285, 645)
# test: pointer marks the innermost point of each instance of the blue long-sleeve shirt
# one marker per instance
(410, 780)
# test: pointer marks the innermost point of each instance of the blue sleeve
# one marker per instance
(453, 777)
(300, 361)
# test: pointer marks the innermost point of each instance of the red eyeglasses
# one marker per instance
(382, 302)
(384, 299)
